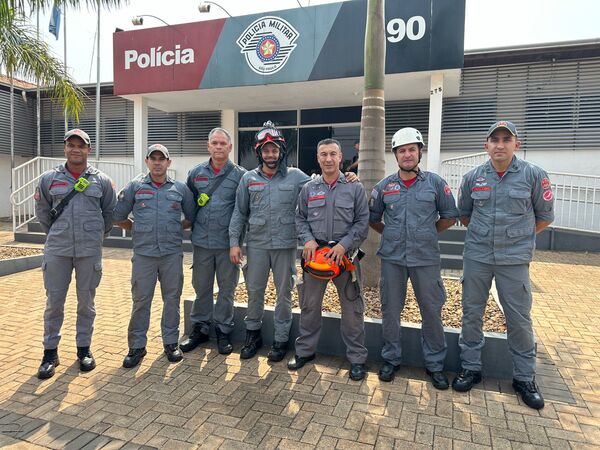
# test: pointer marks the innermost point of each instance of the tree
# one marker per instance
(371, 163)
(25, 56)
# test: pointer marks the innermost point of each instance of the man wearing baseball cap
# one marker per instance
(157, 203)
(74, 203)
(503, 203)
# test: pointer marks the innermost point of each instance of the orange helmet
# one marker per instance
(322, 267)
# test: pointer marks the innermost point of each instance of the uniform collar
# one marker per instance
(262, 174)
(148, 179)
(89, 169)
(396, 176)
(515, 165)
(341, 179)
(209, 166)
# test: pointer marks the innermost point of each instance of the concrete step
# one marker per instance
(451, 247)
(455, 234)
(454, 262)
(111, 241)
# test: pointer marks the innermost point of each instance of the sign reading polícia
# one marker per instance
(267, 44)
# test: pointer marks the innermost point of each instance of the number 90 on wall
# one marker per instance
(413, 29)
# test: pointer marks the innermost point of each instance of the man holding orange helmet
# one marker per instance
(331, 209)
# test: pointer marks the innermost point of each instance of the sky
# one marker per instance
(488, 24)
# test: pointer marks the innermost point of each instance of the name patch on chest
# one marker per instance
(318, 195)
(257, 183)
(392, 189)
(481, 188)
(145, 191)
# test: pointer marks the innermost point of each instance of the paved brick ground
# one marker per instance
(213, 401)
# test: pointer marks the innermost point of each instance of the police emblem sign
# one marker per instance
(267, 44)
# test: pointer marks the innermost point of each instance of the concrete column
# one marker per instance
(230, 123)
(434, 137)
(140, 132)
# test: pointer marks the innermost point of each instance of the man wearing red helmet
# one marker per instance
(266, 201)
(332, 209)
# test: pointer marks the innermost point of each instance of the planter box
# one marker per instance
(495, 355)
(14, 265)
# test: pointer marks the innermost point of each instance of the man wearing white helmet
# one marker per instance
(415, 207)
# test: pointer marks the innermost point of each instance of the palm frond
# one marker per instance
(25, 56)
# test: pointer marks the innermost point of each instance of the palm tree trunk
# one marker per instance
(371, 162)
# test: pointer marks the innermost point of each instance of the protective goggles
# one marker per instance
(265, 133)
(265, 136)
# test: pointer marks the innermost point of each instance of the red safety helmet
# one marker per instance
(269, 134)
(322, 267)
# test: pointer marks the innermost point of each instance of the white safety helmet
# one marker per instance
(405, 136)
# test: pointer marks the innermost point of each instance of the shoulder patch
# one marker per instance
(545, 183)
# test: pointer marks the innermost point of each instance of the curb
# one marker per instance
(15, 265)
(495, 355)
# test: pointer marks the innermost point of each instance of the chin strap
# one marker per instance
(414, 169)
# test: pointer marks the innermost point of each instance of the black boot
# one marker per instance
(173, 353)
(223, 342)
(134, 357)
(86, 359)
(278, 351)
(49, 362)
(195, 338)
(529, 392)
(252, 344)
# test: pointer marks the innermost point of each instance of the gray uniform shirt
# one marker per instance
(503, 211)
(157, 212)
(410, 237)
(268, 206)
(81, 227)
(339, 213)
(211, 227)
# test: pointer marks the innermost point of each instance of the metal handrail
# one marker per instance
(576, 196)
(25, 178)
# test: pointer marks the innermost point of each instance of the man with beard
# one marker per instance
(266, 200)
(416, 206)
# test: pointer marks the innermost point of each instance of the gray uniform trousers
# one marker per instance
(431, 296)
(283, 264)
(145, 271)
(57, 277)
(207, 263)
(352, 327)
(514, 290)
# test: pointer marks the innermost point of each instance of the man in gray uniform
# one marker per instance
(213, 183)
(416, 206)
(157, 203)
(504, 203)
(74, 204)
(331, 209)
(266, 200)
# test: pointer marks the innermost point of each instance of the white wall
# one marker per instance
(5, 183)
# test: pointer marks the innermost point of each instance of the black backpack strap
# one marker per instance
(58, 209)
(219, 181)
